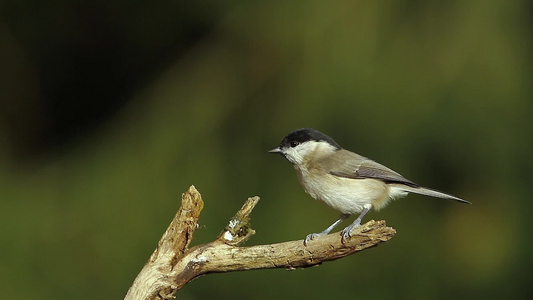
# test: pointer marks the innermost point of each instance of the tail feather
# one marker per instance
(432, 193)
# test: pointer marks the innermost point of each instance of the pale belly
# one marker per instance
(346, 195)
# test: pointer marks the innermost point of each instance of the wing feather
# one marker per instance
(350, 165)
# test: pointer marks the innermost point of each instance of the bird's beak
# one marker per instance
(275, 150)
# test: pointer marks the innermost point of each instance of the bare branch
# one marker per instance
(172, 265)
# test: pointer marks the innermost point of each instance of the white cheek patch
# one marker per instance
(293, 156)
(297, 154)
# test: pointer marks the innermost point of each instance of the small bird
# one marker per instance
(345, 181)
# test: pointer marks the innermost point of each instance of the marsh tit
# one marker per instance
(343, 180)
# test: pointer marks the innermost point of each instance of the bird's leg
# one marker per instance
(347, 232)
(327, 230)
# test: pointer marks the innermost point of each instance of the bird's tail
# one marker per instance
(432, 193)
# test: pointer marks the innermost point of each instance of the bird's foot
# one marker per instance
(312, 236)
(346, 233)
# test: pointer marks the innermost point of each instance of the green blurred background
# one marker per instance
(109, 110)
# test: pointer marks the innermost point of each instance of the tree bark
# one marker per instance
(173, 264)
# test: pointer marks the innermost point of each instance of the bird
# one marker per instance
(343, 180)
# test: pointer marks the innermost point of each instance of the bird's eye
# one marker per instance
(294, 144)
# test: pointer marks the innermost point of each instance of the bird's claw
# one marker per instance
(346, 233)
(311, 236)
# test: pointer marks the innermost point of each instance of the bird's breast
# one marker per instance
(345, 195)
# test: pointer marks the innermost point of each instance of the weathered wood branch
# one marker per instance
(173, 264)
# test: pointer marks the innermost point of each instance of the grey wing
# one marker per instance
(350, 165)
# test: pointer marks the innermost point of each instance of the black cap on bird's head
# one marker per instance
(303, 135)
